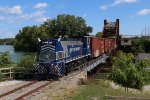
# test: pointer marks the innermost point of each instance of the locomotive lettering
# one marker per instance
(74, 49)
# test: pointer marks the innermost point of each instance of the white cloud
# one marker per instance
(25, 16)
(41, 5)
(4, 33)
(143, 12)
(38, 16)
(62, 5)
(84, 15)
(38, 13)
(8, 19)
(117, 2)
(12, 10)
(41, 19)
(2, 18)
(103, 7)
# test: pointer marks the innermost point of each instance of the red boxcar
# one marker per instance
(113, 44)
(97, 46)
(110, 44)
(106, 45)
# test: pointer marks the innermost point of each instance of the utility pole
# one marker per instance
(145, 31)
(142, 33)
(148, 31)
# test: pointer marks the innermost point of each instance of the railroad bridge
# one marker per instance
(86, 70)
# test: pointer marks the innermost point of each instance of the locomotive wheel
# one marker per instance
(69, 68)
(75, 66)
(66, 70)
(72, 67)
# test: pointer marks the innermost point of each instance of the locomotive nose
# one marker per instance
(47, 71)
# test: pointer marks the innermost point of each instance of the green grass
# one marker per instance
(100, 87)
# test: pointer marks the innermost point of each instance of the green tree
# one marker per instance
(128, 73)
(70, 25)
(146, 44)
(27, 38)
(99, 34)
(4, 59)
(137, 46)
(67, 25)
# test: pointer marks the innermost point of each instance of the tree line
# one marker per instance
(63, 25)
(7, 41)
(139, 45)
(130, 73)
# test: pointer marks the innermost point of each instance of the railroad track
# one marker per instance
(26, 90)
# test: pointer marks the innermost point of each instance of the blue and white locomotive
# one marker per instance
(59, 56)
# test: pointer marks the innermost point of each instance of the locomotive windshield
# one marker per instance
(47, 56)
(47, 52)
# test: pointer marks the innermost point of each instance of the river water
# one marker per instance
(15, 55)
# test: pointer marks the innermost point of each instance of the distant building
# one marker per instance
(126, 40)
(140, 56)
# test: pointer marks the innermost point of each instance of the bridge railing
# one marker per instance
(93, 63)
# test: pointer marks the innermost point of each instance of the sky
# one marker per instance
(134, 15)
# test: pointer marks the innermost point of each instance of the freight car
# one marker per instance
(57, 57)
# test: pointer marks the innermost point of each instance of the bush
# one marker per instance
(25, 67)
(1, 76)
(26, 62)
(5, 59)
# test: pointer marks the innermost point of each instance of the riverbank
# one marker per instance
(97, 89)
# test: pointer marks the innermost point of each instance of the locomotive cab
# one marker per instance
(86, 46)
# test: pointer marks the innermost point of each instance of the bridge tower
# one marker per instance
(112, 30)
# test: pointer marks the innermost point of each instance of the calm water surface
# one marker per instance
(15, 55)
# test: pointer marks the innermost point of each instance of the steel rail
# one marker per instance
(33, 91)
(16, 89)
